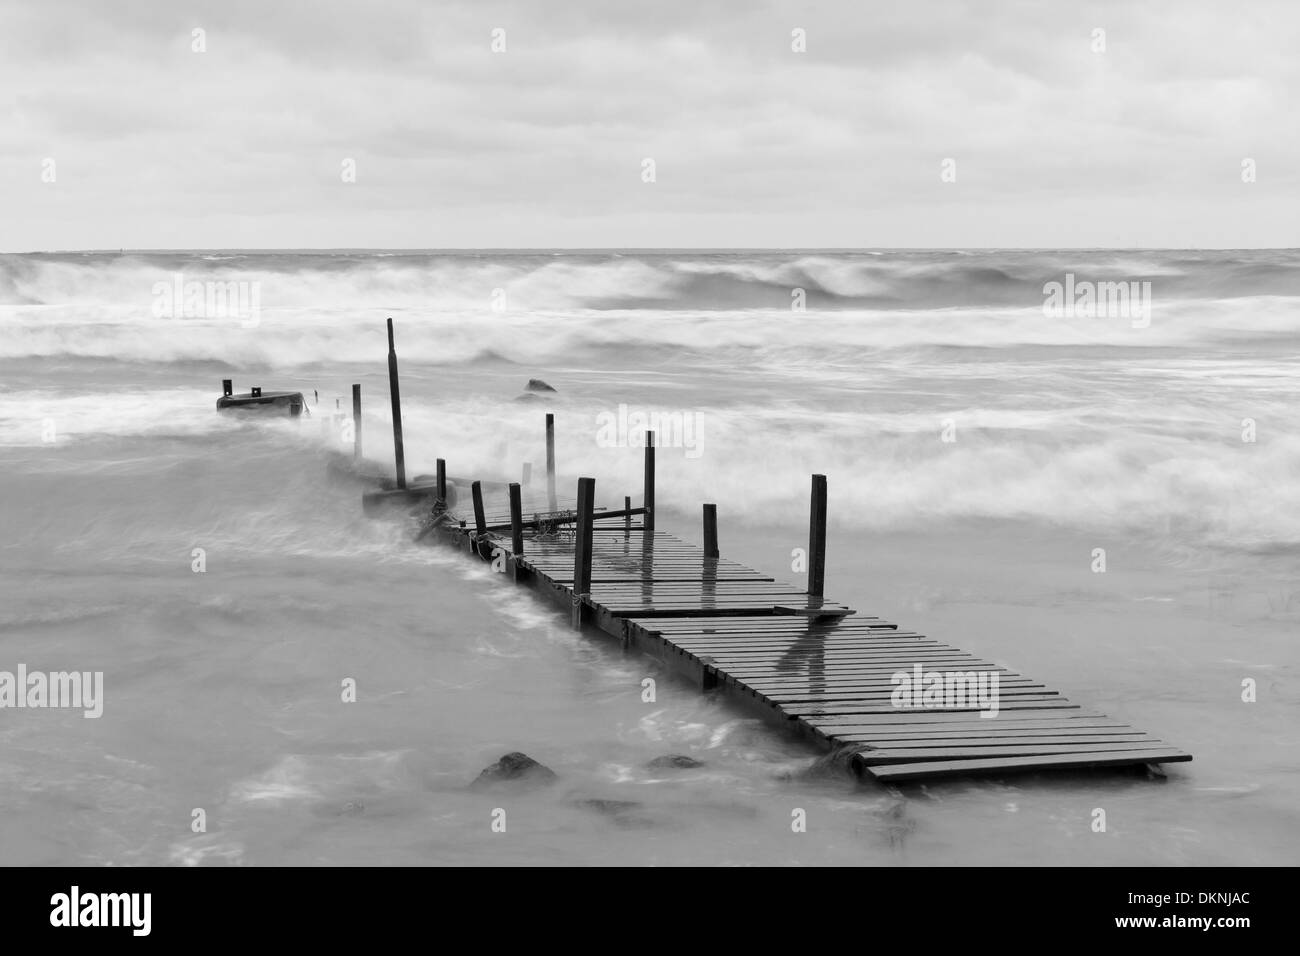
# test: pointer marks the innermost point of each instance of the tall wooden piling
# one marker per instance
(394, 392)
(442, 482)
(817, 538)
(480, 519)
(227, 387)
(648, 519)
(627, 518)
(711, 531)
(516, 520)
(356, 422)
(550, 461)
(582, 546)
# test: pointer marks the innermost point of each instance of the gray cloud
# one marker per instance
(541, 146)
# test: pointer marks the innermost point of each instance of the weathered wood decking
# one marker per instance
(808, 664)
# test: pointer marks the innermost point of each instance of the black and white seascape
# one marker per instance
(1019, 279)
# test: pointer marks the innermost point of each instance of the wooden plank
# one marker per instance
(935, 661)
(898, 773)
(798, 632)
(651, 596)
(1001, 731)
(799, 659)
(812, 710)
(911, 654)
(783, 626)
(781, 644)
(983, 748)
(729, 627)
(832, 697)
(787, 675)
(776, 643)
(779, 640)
(832, 687)
(879, 680)
(791, 658)
(866, 724)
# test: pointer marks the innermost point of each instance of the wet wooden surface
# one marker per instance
(816, 666)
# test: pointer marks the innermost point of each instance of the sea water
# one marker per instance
(982, 451)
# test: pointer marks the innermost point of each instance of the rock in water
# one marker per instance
(623, 813)
(515, 768)
(674, 762)
(537, 385)
(611, 808)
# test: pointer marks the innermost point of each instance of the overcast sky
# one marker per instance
(243, 145)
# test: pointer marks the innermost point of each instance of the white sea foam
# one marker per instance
(1083, 422)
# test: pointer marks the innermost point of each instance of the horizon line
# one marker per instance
(639, 249)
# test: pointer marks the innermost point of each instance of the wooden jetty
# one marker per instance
(806, 663)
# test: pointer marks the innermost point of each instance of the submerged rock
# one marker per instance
(674, 762)
(515, 768)
(623, 813)
(537, 385)
(352, 808)
(609, 807)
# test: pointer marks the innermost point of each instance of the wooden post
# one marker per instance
(627, 518)
(550, 461)
(648, 519)
(399, 453)
(356, 422)
(227, 387)
(582, 546)
(817, 538)
(442, 482)
(480, 521)
(516, 520)
(710, 576)
(711, 531)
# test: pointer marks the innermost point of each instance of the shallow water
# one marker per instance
(223, 689)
